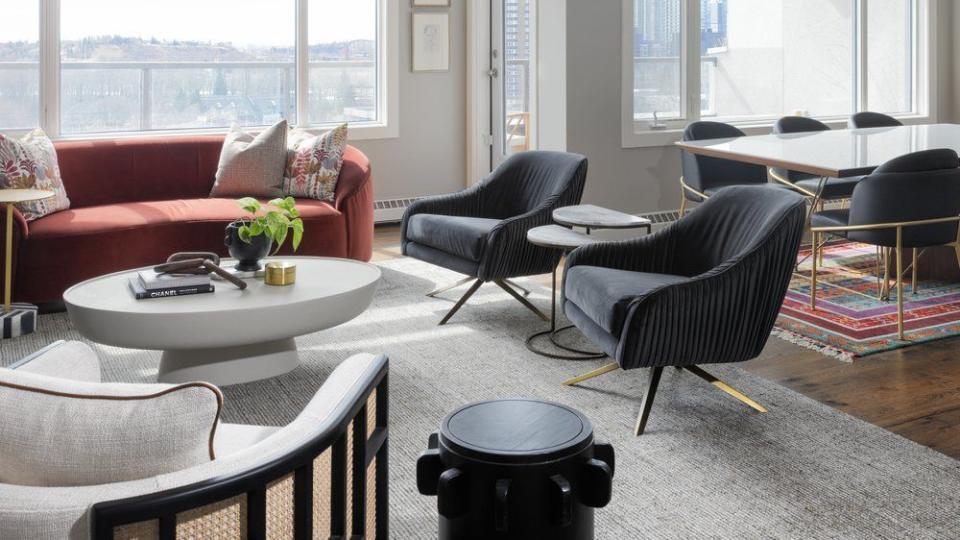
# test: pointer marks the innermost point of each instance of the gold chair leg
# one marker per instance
(885, 290)
(683, 202)
(445, 288)
(913, 288)
(879, 291)
(696, 370)
(593, 374)
(899, 284)
(813, 273)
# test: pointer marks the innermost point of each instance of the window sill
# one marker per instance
(364, 132)
(667, 137)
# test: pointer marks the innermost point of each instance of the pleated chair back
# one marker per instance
(528, 180)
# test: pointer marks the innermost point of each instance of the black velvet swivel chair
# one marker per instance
(808, 184)
(868, 119)
(705, 290)
(482, 231)
(910, 202)
(703, 176)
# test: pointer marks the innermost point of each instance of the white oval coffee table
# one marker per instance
(229, 336)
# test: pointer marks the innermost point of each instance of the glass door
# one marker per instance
(513, 77)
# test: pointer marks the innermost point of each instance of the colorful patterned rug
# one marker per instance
(850, 321)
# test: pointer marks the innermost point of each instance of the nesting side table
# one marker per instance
(16, 319)
(566, 240)
(589, 217)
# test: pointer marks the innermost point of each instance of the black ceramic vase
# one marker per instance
(248, 255)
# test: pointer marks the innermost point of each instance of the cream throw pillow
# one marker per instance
(58, 432)
(252, 166)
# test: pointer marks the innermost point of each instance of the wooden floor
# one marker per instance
(914, 392)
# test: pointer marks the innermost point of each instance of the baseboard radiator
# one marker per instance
(391, 210)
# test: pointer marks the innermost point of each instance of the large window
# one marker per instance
(19, 64)
(135, 67)
(752, 61)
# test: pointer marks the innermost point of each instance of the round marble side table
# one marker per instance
(566, 240)
(20, 319)
(592, 217)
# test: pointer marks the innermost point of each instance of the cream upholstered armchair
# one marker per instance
(324, 474)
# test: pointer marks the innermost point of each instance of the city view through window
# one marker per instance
(767, 58)
(146, 67)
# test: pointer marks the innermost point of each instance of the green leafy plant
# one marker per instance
(276, 221)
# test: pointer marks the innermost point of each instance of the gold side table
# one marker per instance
(16, 319)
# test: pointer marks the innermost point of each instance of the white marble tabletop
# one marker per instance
(839, 153)
(557, 237)
(597, 217)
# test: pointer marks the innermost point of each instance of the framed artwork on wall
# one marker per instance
(431, 41)
(430, 3)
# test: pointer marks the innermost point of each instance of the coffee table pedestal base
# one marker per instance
(229, 365)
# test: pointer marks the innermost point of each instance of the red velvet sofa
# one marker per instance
(135, 201)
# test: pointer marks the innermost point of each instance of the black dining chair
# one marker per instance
(809, 184)
(869, 119)
(703, 175)
(704, 290)
(910, 202)
(482, 231)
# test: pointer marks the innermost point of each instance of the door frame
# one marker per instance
(550, 112)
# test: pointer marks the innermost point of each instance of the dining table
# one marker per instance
(841, 153)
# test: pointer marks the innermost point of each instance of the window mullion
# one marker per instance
(691, 56)
(303, 65)
(861, 56)
(50, 67)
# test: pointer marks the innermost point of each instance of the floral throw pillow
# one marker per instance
(314, 163)
(31, 163)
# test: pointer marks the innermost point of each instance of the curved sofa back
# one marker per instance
(99, 172)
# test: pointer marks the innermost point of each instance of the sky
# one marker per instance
(241, 22)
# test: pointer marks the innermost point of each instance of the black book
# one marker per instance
(141, 293)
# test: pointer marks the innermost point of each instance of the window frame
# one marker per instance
(639, 134)
(388, 78)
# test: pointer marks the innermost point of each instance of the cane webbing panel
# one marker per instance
(224, 520)
(280, 508)
(371, 413)
(321, 496)
(371, 516)
(144, 530)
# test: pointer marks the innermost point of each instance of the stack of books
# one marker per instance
(149, 284)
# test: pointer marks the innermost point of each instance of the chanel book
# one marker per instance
(141, 293)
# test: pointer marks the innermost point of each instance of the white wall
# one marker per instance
(429, 155)
(645, 179)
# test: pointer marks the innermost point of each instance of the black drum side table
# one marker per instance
(516, 469)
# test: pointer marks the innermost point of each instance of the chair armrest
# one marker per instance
(71, 360)
(509, 254)
(464, 203)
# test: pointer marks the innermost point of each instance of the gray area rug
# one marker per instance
(708, 467)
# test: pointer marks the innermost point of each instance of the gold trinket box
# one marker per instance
(280, 273)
